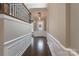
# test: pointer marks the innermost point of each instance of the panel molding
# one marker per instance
(17, 46)
(11, 41)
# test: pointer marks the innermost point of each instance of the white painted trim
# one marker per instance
(6, 17)
(20, 54)
(12, 44)
(66, 49)
(8, 42)
(39, 33)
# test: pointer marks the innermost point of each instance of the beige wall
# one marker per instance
(1, 36)
(14, 29)
(74, 26)
(63, 24)
(56, 22)
(67, 25)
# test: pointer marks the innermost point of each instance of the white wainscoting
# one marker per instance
(57, 49)
(39, 33)
(17, 46)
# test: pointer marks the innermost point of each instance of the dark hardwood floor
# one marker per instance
(39, 47)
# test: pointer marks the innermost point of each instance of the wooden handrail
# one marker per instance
(5, 9)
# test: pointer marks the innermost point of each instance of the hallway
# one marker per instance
(39, 29)
(39, 47)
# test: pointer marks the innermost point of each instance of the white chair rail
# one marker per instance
(17, 46)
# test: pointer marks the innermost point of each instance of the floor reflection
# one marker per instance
(38, 47)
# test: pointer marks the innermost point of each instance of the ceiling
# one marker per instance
(36, 5)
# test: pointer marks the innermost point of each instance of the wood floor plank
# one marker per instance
(38, 48)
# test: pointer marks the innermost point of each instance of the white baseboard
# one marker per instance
(20, 54)
(16, 47)
(39, 33)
